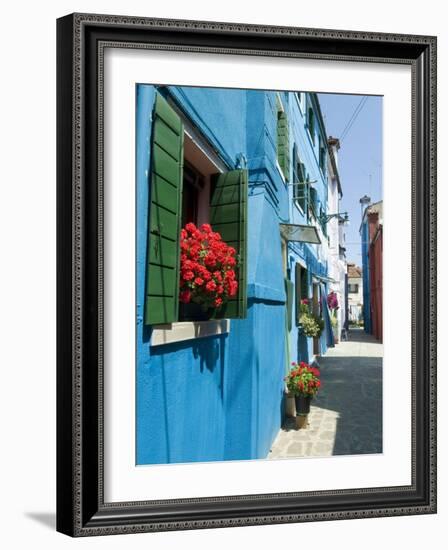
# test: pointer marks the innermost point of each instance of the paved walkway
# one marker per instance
(346, 416)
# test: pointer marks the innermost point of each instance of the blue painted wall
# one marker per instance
(221, 397)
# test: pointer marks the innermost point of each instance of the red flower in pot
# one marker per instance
(207, 267)
(303, 381)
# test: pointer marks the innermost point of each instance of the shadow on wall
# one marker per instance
(303, 348)
(146, 334)
(353, 387)
(178, 406)
(208, 350)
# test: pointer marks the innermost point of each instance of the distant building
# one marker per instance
(337, 263)
(375, 254)
(355, 293)
(371, 232)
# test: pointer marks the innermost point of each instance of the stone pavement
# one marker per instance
(346, 416)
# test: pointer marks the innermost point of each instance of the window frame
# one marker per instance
(296, 162)
(301, 287)
(182, 330)
(311, 123)
(281, 109)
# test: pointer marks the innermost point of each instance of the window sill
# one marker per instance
(188, 330)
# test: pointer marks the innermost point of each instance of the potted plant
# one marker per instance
(207, 272)
(303, 381)
(311, 325)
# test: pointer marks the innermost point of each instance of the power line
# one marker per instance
(354, 116)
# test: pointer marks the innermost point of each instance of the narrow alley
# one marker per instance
(346, 416)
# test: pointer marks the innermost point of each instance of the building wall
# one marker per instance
(313, 257)
(376, 275)
(372, 262)
(355, 299)
(366, 276)
(337, 266)
(221, 397)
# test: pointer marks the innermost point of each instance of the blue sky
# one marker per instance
(360, 156)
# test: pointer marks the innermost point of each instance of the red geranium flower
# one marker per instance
(187, 275)
(206, 274)
(190, 227)
(211, 286)
(303, 379)
(185, 296)
(207, 267)
(210, 259)
(233, 288)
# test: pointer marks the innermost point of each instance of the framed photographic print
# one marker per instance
(246, 274)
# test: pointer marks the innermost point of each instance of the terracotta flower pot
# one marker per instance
(302, 422)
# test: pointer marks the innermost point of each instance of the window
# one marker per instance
(301, 288)
(353, 288)
(311, 124)
(282, 140)
(183, 190)
(193, 185)
(299, 188)
(322, 155)
(314, 202)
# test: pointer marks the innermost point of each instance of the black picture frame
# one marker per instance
(81, 510)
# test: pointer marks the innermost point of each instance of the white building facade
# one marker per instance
(337, 264)
(355, 293)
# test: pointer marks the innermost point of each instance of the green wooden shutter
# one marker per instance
(314, 201)
(302, 188)
(283, 143)
(228, 216)
(311, 124)
(298, 291)
(301, 288)
(295, 173)
(299, 185)
(289, 289)
(162, 277)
